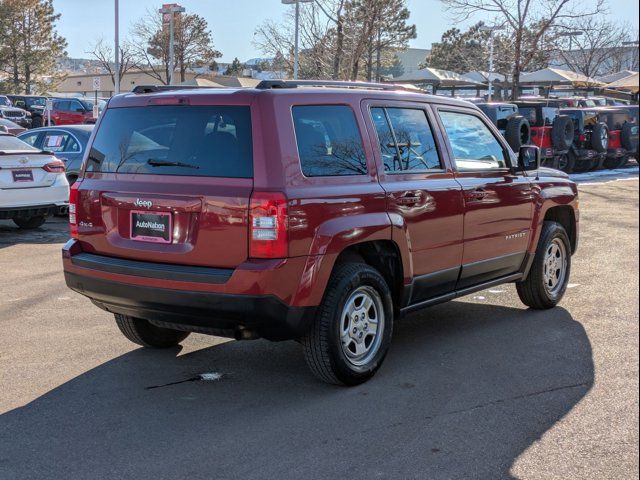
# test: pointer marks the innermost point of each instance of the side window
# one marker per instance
(75, 106)
(406, 140)
(474, 145)
(30, 138)
(329, 141)
(62, 105)
(60, 142)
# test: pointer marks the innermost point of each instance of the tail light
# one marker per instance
(73, 209)
(583, 137)
(57, 166)
(268, 229)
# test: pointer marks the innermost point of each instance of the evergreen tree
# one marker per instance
(235, 69)
(29, 44)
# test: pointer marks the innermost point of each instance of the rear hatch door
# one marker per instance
(169, 184)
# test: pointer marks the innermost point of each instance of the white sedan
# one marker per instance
(33, 184)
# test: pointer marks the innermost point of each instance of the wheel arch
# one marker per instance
(565, 216)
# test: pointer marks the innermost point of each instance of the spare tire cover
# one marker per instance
(518, 132)
(562, 133)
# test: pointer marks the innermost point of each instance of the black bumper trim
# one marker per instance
(163, 271)
(26, 212)
(267, 315)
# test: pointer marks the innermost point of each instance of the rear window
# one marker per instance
(208, 141)
(329, 141)
(9, 143)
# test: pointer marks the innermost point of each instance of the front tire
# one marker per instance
(350, 336)
(30, 223)
(145, 334)
(548, 278)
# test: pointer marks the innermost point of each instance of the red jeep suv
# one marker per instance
(315, 211)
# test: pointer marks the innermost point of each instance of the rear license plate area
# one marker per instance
(153, 227)
(22, 175)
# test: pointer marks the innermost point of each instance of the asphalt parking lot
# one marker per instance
(477, 388)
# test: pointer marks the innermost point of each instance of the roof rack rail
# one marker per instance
(276, 84)
(164, 88)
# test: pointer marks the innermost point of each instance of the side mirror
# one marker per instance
(528, 159)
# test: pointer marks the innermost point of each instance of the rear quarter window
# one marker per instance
(329, 141)
(212, 141)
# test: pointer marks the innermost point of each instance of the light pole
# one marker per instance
(571, 35)
(116, 87)
(486, 28)
(170, 11)
(296, 48)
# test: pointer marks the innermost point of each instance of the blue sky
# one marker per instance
(233, 21)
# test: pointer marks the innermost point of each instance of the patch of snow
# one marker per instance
(210, 377)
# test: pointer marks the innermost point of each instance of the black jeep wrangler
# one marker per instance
(513, 126)
(590, 141)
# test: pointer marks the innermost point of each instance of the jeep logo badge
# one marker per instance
(143, 203)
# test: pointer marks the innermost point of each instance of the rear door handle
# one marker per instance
(477, 194)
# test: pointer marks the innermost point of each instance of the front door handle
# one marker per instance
(409, 198)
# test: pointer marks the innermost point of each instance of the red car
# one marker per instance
(71, 111)
(316, 211)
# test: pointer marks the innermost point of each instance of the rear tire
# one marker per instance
(548, 278)
(339, 350)
(567, 162)
(144, 333)
(30, 223)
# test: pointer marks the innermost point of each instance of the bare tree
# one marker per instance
(102, 51)
(193, 45)
(590, 53)
(346, 39)
(527, 21)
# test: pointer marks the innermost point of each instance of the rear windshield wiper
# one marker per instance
(166, 163)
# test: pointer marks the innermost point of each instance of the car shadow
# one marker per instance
(55, 230)
(465, 389)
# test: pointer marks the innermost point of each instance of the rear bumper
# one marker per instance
(617, 152)
(210, 313)
(198, 299)
(21, 198)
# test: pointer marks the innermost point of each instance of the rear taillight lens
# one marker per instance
(73, 209)
(57, 166)
(268, 227)
(583, 137)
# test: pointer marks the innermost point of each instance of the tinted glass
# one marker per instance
(29, 138)
(530, 114)
(474, 145)
(329, 141)
(60, 142)
(549, 114)
(4, 101)
(413, 148)
(174, 140)
(11, 143)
